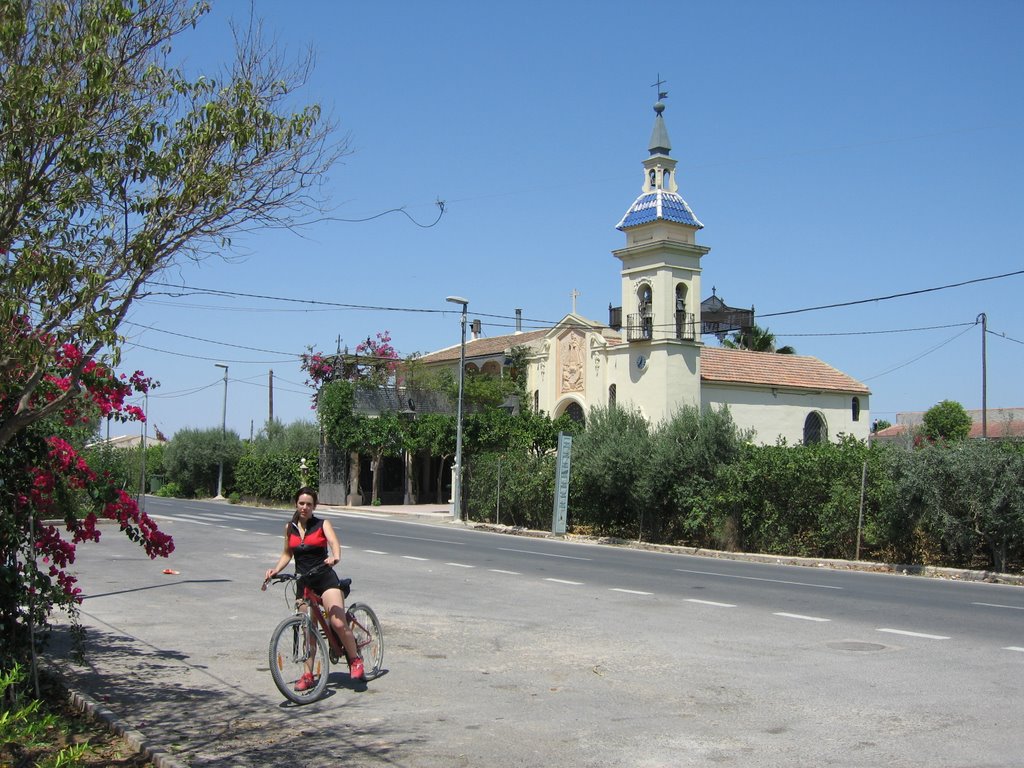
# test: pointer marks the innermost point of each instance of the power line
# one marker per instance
(209, 341)
(543, 322)
(894, 295)
(920, 356)
(316, 302)
(213, 359)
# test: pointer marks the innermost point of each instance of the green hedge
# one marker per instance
(696, 481)
(274, 476)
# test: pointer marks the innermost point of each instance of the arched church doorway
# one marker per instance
(575, 412)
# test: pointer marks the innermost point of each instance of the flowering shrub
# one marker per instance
(51, 500)
(375, 362)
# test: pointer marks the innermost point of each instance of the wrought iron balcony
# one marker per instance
(639, 327)
(686, 326)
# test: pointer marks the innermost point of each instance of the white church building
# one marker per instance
(650, 356)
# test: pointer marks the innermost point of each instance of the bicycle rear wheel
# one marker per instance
(369, 637)
(296, 648)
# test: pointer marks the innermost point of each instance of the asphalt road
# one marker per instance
(516, 651)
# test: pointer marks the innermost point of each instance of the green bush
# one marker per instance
(274, 476)
(519, 485)
(192, 459)
(170, 490)
(125, 464)
(680, 476)
(609, 461)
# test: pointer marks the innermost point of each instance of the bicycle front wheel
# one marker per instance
(296, 649)
(369, 637)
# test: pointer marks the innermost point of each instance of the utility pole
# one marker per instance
(271, 396)
(223, 433)
(984, 375)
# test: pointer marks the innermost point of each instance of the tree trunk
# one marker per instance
(355, 493)
(375, 490)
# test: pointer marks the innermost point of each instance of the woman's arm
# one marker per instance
(334, 555)
(283, 560)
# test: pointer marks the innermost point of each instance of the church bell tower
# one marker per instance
(661, 266)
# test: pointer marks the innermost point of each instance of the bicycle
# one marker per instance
(306, 642)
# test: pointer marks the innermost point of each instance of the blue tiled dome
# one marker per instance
(659, 204)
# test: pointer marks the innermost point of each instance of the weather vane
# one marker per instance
(661, 94)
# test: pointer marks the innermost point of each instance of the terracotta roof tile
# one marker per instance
(484, 347)
(740, 366)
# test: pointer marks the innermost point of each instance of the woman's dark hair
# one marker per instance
(306, 491)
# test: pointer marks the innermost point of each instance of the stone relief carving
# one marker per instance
(571, 365)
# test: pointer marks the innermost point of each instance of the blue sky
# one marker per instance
(834, 151)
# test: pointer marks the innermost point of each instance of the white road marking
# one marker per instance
(631, 591)
(420, 559)
(755, 578)
(709, 602)
(356, 515)
(421, 538)
(997, 605)
(542, 554)
(563, 581)
(912, 634)
(1014, 648)
(799, 616)
(510, 573)
(461, 565)
(374, 552)
(186, 519)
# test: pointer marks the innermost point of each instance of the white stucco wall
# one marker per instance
(781, 413)
(668, 380)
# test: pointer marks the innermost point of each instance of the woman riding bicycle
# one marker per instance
(312, 542)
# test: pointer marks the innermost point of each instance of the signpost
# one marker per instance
(561, 483)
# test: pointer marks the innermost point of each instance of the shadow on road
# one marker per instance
(208, 720)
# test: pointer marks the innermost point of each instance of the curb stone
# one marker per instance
(158, 756)
(953, 574)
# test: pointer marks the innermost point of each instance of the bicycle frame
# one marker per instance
(312, 602)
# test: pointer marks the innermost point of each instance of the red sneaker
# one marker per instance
(356, 671)
(305, 682)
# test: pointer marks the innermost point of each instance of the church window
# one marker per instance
(856, 409)
(654, 179)
(611, 396)
(815, 429)
(536, 401)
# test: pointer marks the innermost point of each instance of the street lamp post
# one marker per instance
(223, 433)
(457, 483)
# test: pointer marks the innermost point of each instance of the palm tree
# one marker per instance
(756, 339)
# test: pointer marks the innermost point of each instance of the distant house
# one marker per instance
(126, 441)
(1002, 423)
